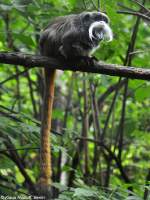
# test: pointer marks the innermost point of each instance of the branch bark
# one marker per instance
(97, 67)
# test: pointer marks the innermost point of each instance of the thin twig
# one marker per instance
(84, 3)
(113, 156)
(32, 94)
(125, 7)
(19, 149)
(13, 76)
(140, 51)
(9, 115)
(110, 111)
(141, 5)
(99, 5)
(134, 13)
(94, 5)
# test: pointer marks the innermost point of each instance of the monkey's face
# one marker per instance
(98, 26)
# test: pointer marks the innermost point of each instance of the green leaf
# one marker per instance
(5, 7)
(142, 93)
(19, 177)
(81, 192)
(60, 186)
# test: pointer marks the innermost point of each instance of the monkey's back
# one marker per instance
(52, 35)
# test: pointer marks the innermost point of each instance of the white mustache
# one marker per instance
(105, 33)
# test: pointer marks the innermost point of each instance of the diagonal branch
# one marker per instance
(97, 67)
(111, 154)
(134, 13)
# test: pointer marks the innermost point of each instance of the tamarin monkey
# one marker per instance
(67, 38)
(74, 36)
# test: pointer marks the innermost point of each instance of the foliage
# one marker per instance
(20, 109)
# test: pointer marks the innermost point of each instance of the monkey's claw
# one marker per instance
(94, 58)
(88, 60)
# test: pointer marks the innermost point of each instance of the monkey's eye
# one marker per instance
(86, 17)
(98, 18)
(105, 19)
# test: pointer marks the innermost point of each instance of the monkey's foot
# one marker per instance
(88, 60)
(94, 58)
(83, 60)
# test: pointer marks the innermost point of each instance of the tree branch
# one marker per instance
(97, 67)
(111, 154)
(134, 13)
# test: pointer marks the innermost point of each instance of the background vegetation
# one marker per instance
(101, 130)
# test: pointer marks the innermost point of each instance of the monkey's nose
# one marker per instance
(100, 35)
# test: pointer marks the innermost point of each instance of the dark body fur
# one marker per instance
(68, 36)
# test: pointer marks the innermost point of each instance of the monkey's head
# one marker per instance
(97, 25)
